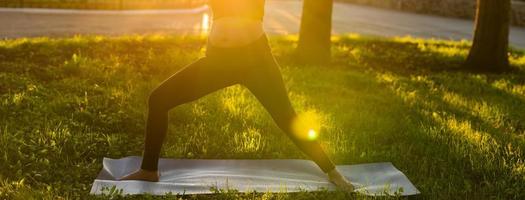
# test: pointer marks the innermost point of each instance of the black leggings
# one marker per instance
(254, 67)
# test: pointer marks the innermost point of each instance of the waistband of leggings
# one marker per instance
(261, 42)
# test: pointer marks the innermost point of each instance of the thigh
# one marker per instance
(192, 82)
(267, 85)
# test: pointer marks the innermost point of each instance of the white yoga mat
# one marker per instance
(197, 176)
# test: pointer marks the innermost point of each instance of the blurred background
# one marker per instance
(441, 19)
(103, 4)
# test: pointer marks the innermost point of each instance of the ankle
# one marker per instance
(333, 173)
(149, 171)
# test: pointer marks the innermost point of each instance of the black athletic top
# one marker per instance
(253, 9)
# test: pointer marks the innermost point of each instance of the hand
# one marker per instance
(142, 175)
(340, 181)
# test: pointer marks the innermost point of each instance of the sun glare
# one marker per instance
(205, 23)
(307, 125)
(312, 135)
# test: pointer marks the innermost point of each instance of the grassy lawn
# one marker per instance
(67, 103)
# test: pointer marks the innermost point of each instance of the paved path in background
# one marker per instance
(282, 17)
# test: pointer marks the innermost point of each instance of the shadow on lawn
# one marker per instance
(478, 155)
(407, 56)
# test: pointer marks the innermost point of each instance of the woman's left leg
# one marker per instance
(267, 85)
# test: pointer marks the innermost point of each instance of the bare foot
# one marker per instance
(142, 175)
(340, 181)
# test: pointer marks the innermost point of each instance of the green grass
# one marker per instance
(67, 103)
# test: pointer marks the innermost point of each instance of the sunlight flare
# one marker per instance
(205, 24)
(307, 125)
(312, 134)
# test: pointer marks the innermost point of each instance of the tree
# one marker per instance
(315, 32)
(491, 36)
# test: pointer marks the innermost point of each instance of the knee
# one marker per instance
(155, 100)
(160, 100)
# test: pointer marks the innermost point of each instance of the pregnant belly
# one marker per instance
(234, 32)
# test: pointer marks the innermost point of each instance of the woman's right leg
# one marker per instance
(268, 87)
(190, 83)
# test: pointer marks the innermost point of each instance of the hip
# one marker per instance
(257, 49)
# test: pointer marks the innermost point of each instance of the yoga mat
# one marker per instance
(197, 176)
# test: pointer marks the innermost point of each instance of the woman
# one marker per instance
(237, 53)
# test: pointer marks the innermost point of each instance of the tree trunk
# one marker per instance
(316, 28)
(491, 37)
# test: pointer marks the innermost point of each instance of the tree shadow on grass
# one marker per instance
(477, 150)
(407, 56)
(494, 91)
